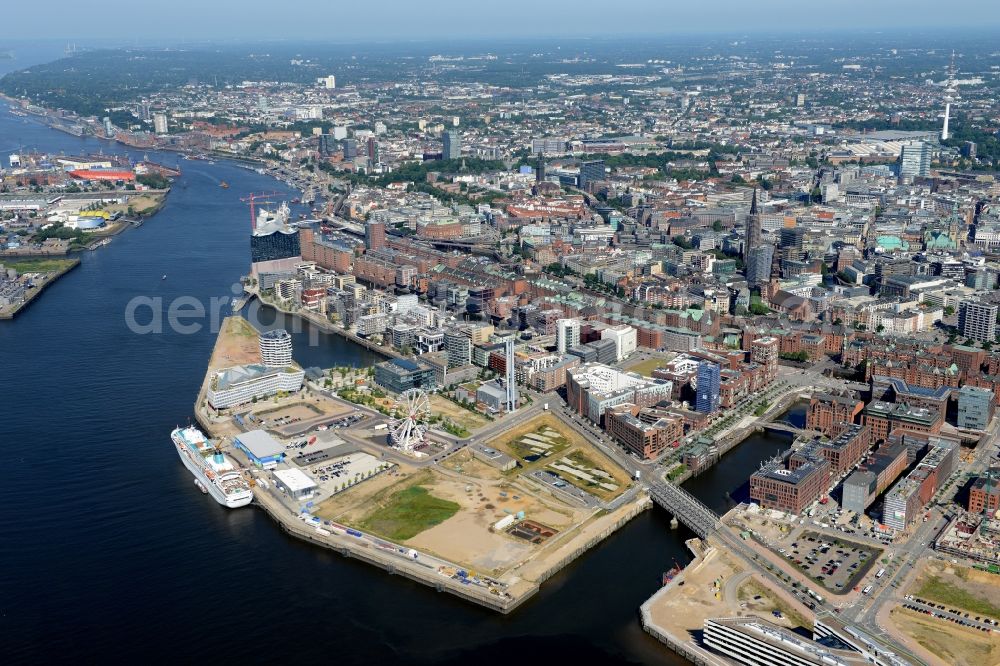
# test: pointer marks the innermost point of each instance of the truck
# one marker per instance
(545, 407)
(381, 426)
(638, 473)
(880, 573)
(867, 590)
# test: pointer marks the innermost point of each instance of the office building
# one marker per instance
(458, 347)
(452, 140)
(275, 348)
(374, 235)
(791, 241)
(757, 267)
(624, 337)
(984, 495)
(830, 414)
(904, 502)
(977, 320)
(593, 388)
(399, 375)
(790, 484)
(975, 407)
(567, 334)
(646, 440)
(245, 383)
(915, 160)
(350, 149)
(755, 641)
(591, 172)
(708, 386)
(160, 123)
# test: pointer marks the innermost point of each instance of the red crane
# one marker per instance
(253, 200)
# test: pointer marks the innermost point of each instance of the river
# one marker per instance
(111, 553)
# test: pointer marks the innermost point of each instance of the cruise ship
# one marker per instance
(213, 472)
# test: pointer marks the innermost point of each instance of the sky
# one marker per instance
(171, 21)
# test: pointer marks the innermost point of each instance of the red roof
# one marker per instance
(102, 174)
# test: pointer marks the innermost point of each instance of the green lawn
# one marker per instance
(936, 589)
(645, 368)
(38, 265)
(408, 513)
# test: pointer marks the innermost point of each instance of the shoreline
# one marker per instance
(9, 315)
(511, 591)
(324, 325)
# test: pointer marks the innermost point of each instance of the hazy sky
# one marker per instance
(336, 20)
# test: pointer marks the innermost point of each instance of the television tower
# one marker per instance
(949, 97)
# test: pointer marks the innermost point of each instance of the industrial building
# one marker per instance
(262, 449)
(295, 483)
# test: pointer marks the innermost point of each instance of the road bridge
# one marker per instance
(685, 507)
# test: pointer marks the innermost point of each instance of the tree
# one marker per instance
(949, 311)
(717, 226)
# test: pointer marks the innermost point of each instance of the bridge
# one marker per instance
(685, 507)
(786, 426)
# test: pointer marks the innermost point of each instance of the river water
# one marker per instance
(109, 551)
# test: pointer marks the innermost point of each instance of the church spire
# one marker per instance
(753, 202)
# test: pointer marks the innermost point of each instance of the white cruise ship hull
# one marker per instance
(230, 502)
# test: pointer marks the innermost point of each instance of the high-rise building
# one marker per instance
(915, 160)
(975, 407)
(567, 334)
(373, 152)
(350, 149)
(329, 82)
(791, 241)
(755, 229)
(160, 123)
(275, 348)
(510, 383)
(977, 320)
(758, 264)
(540, 170)
(458, 347)
(374, 235)
(452, 145)
(591, 172)
(707, 401)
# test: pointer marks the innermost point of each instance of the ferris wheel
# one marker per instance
(407, 427)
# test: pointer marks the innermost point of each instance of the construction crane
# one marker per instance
(253, 200)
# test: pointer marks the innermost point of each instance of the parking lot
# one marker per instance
(955, 615)
(835, 564)
(336, 474)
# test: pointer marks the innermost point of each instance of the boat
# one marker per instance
(671, 574)
(164, 277)
(212, 470)
(224, 185)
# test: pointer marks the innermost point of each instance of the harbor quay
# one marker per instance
(462, 518)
